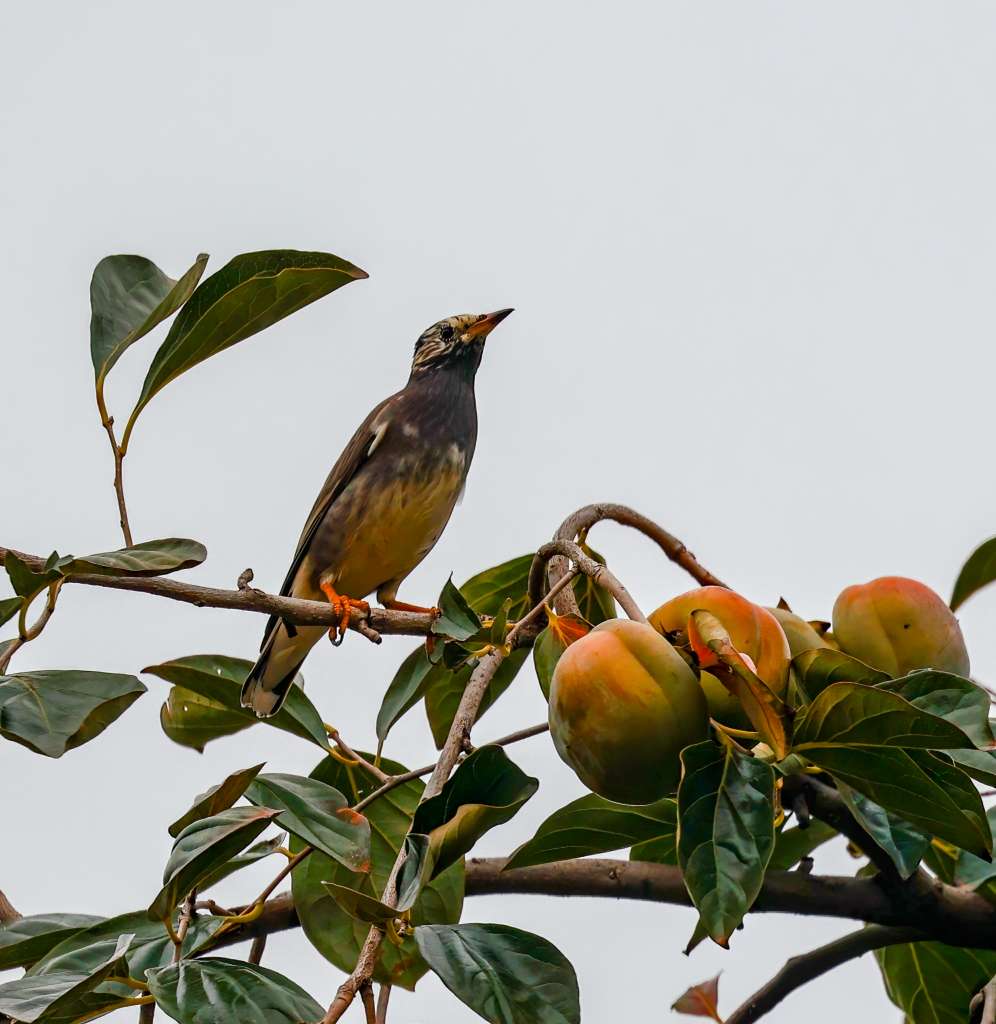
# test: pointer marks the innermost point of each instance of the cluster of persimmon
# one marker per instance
(626, 698)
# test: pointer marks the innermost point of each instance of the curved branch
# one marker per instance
(800, 970)
(956, 916)
(585, 518)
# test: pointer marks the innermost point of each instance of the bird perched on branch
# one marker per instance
(385, 503)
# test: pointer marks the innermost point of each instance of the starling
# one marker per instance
(385, 503)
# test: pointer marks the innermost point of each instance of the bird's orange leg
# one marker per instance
(403, 606)
(342, 606)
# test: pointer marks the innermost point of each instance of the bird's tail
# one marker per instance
(270, 679)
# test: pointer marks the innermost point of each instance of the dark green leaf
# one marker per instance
(489, 590)
(456, 619)
(904, 844)
(193, 721)
(980, 764)
(26, 582)
(593, 825)
(360, 906)
(818, 668)
(202, 848)
(792, 844)
(847, 715)
(53, 711)
(977, 572)
(28, 939)
(932, 983)
(250, 293)
(663, 850)
(318, 814)
(505, 975)
(9, 607)
(486, 790)
(726, 815)
(214, 990)
(217, 798)
(150, 558)
(63, 995)
(129, 295)
(971, 870)
(336, 935)
(219, 678)
(151, 946)
(407, 688)
(953, 698)
(258, 851)
(917, 786)
(444, 690)
(595, 603)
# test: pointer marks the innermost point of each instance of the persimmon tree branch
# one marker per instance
(952, 915)
(800, 970)
(118, 451)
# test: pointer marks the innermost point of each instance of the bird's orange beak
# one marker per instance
(486, 324)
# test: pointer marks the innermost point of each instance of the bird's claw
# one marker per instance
(342, 607)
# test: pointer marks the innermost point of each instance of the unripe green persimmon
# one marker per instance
(623, 704)
(800, 634)
(897, 625)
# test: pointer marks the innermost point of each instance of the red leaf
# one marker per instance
(701, 1000)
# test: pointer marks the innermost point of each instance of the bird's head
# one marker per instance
(457, 341)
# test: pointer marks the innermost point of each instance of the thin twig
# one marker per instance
(118, 452)
(147, 1013)
(256, 949)
(382, 1000)
(367, 998)
(800, 970)
(186, 917)
(28, 633)
(982, 1008)
(367, 766)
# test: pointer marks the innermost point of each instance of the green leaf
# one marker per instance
(150, 558)
(726, 832)
(662, 850)
(63, 995)
(217, 798)
(219, 679)
(793, 844)
(559, 634)
(318, 814)
(595, 603)
(486, 790)
(256, 852)
(407, 688)
(593, 825)
(847, 715)
(151, 946)
(977, 572)
(904, 844)
(415, 873)
(932, 983)
(918, 786)
(505, 975)
(456, 619)
(129, 296)
(26, 582)
(193, 721)
(250, 293)
(489, 590)
(973, 871)
(53, 711)
(336, 935)
(9, 607)
(980, 764)
(203, 847)
(28, 939)
(819, 668)
(444, 690)
(216, 989)
(953, 698)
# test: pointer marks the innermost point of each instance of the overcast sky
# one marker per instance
(751, 251)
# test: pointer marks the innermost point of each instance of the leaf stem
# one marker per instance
(119, 452)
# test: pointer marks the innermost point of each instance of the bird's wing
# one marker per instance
(361, 446)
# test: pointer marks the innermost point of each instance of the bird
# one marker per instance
(385, 503)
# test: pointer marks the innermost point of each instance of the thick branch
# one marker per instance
(800, 970)
(300, 613)
(953, 915)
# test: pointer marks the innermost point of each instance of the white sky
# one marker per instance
(750, 247)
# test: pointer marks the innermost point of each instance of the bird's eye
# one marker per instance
(446, 332)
